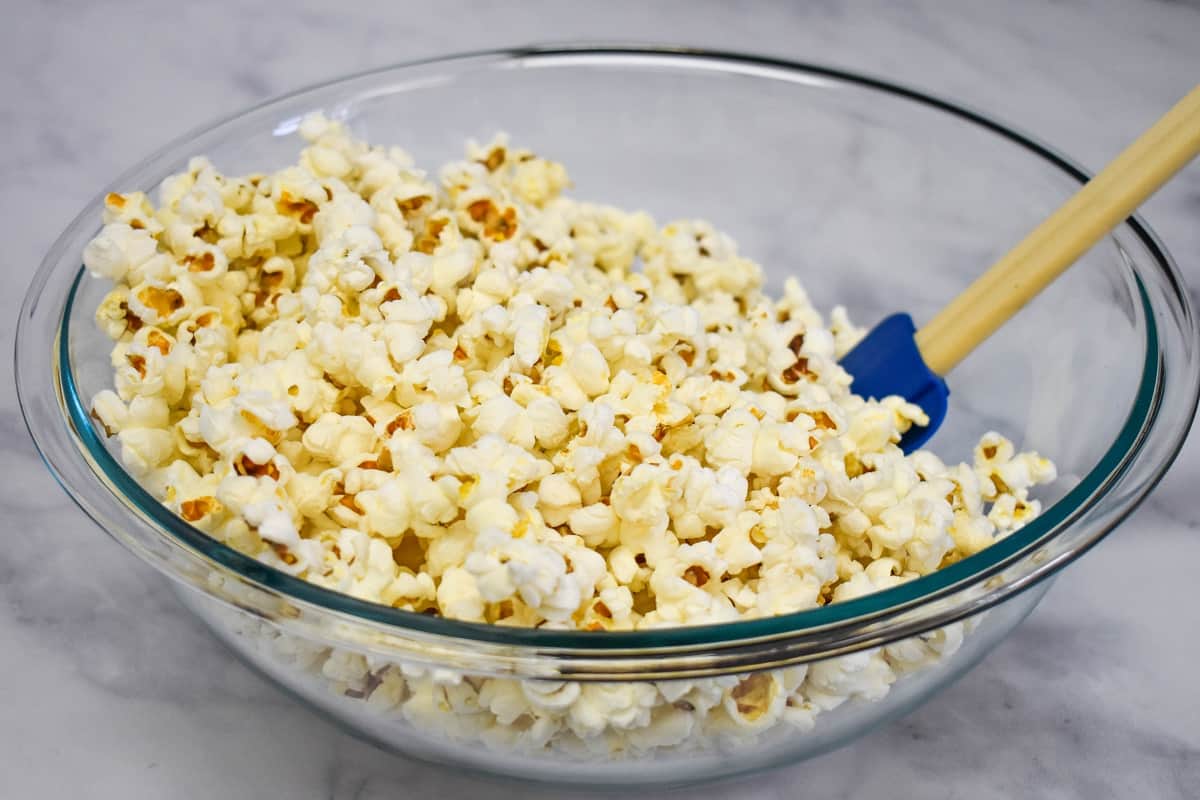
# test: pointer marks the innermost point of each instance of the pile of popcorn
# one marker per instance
(477, 398)
(582, 720)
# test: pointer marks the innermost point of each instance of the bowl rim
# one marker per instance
(873, 619)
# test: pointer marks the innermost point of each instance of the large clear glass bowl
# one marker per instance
(877, 197)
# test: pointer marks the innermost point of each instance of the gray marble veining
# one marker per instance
(109, 689)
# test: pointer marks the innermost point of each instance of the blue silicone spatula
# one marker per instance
(897, 359)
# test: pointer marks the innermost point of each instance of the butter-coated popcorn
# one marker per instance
(118, 251)
(475, 397)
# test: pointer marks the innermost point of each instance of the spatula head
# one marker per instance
(888, 362)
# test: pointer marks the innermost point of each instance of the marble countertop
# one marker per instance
(109, 689)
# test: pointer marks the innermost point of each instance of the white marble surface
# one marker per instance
(108, 689)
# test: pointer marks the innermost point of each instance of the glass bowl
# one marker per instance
(877, 197)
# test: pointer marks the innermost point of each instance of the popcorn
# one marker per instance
(117, 251)
(143, 449)
(531, 331)
(458, 595)
(757, 701)
(463, 398)
(865, 674)
(338, 439)
(109, 411)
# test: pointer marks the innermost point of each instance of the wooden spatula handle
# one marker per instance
(1102, 204)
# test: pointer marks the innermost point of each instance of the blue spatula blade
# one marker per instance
(887, 362)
